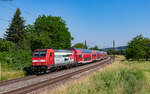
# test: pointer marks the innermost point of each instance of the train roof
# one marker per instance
(83, 50)
(63, 51)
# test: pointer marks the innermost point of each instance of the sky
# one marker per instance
(99, 22)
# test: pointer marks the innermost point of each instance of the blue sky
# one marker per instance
(97, 21)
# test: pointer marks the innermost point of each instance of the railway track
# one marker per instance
(7, 82)
(52, 81)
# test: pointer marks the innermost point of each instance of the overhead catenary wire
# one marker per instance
(24, 11)
(13, 8)
(4, 20)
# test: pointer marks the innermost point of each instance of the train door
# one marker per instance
(51, 58)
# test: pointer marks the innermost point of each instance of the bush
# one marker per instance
(6, 45)
(16, 60)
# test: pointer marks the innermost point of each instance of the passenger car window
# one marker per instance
(80, 56)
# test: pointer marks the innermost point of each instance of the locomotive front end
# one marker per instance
(39, 61)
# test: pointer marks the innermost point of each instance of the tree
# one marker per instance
(79, 45)
(16, 29)
(146, 43)
(110, 52)
(49, 32)
(138, 48)
(120, 52)
(95, 48)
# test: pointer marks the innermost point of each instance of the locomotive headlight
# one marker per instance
(34, 60)
(42, 60)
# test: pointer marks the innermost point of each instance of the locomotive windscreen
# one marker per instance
(41, 53)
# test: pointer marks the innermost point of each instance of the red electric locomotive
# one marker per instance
(45, 59)
(42, 59)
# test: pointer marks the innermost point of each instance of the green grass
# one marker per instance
(123, 81)
(0, 72)
(122, 77)
(7, 73)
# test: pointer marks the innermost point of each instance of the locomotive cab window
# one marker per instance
(41, 53)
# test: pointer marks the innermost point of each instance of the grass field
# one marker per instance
(0, 72)
(7, 74)
(121, 77)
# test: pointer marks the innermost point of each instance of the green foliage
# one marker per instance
(79, 45)
(94, 48)
(34, 41)
(120, 52)
(116, 52)
(16, 29)
(109, 52)
(6, 45)
(49, 31)
(16, 60)
(138, 48)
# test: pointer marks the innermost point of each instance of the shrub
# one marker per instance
(6, 45)
(16, 60)
(21, 59)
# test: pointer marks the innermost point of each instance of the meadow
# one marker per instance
(121, 77)
(7, 73)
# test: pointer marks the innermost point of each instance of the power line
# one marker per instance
(4, 20)
(6, 0)
(25, 11)
(14, 6)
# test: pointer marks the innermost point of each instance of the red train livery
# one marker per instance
(46, 59)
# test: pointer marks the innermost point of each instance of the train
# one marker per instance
(44, 60)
